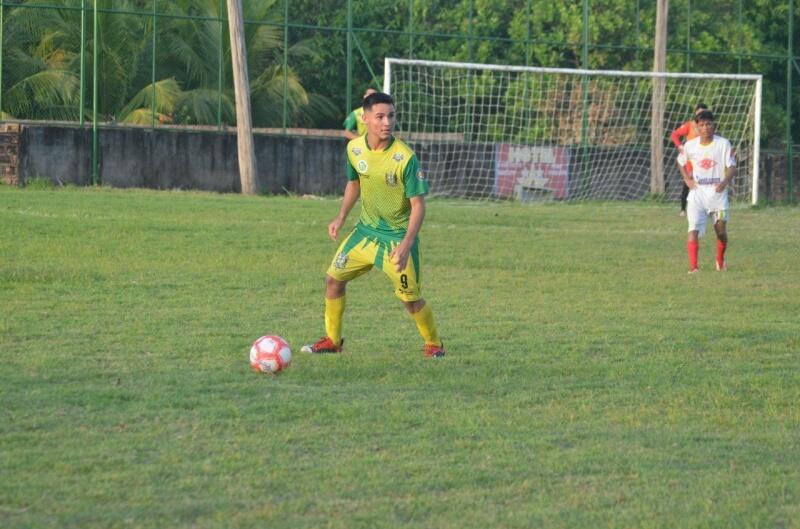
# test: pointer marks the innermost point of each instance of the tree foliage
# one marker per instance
(187, 82)
(41, 50)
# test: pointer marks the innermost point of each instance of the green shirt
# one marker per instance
(388, 180)
(355, 121)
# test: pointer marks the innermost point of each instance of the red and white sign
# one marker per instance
(520, 168)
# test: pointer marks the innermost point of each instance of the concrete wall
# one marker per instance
(304, 162)
(170, 159)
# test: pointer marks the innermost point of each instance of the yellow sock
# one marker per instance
(334, 310)
(426, 325)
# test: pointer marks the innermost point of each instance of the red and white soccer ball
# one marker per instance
(270, 354)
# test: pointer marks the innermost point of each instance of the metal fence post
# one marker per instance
(153, 72)
(689, 35)
(349, 81)
(82, 102)
(410, 29)
(2, 10)
(739, 39)
(789, 146)
(469, 30)
(219, 64)
(585, 94)
(95, 56)
(285, 63)
(528, 21)
(638, 35)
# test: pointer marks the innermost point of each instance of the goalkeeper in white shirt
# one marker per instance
(713, 165)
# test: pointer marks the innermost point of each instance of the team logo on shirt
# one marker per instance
(398, 157)
(362, 166)
(420, 175)
(356, 151)
(706, 163)
(341, 261)
(391, 178)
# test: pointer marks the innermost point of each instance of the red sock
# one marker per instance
(692, 247)
(721, 251)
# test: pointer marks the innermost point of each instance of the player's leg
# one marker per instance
(684, 197)
(720, 227)
(693, 249)
(685, 190)
(422, 315)
(696, 216)
(407, 288)
(350, 261)
(335, 291)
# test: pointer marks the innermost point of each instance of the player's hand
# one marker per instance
(691, 184)
(399, 256)
(334, 227)
(721, 186)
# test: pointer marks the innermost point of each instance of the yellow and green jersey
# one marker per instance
(388, 180)
(355, 121)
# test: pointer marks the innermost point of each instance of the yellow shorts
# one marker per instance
(359, 252)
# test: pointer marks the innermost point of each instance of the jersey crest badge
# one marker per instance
(391, 178)
(341, 261)
(356, 151)
(420, 175)
(398, 157)
(707, 163)
(362, 166)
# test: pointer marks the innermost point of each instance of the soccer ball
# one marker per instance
(270, 354)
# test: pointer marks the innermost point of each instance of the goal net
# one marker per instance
(522, 133)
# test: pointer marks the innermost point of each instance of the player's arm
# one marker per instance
(730, 170)
(400, 253)
(351, 193)
(415, 189)
(350, 126)
(687, 178)
(677, 134)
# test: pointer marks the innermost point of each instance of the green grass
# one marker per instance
(589, 381)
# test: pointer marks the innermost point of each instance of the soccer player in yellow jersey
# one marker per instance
(354, 125)
(385, 173)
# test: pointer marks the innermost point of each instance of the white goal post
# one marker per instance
(488, 131)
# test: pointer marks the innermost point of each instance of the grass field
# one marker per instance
(589, 381)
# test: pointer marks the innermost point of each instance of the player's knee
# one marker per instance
(414, 306)
(334, 288)
(722, 233)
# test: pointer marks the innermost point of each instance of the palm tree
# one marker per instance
(194, 47)
(42, 66)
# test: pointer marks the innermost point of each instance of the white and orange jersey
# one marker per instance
(708, 161)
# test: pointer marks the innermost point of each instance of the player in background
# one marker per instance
(687, 131)
(713, 167)
(354, 125)
(384, 172)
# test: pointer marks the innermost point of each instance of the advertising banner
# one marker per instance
(529, 172)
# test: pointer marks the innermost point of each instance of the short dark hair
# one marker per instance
(700, 106)
(705, 115)
(376, 99)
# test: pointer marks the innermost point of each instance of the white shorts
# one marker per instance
(702, 202)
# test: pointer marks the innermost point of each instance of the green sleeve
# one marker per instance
(413, 179)
(352, 174)
(350, 123)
